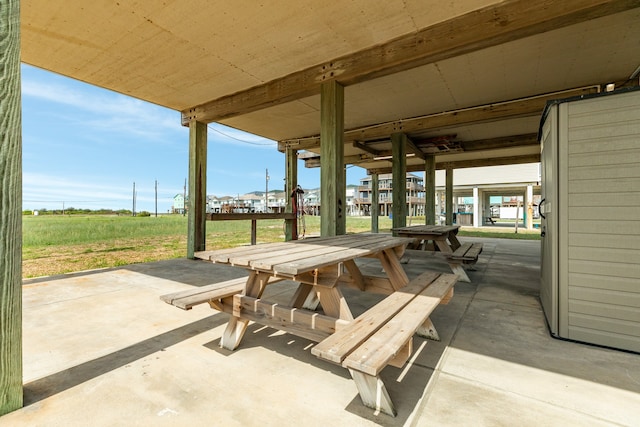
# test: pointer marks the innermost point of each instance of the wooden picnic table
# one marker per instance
(444, 237)
(316, 264)
(379, 337)
(445, 241)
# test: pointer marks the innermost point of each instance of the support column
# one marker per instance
(449, 196)
(375, 205)
(399, 176)
(528, 208)
(332, 182)
(291, 183)
(197, 210)
(430, 189)
(477, 208)
(11, 212)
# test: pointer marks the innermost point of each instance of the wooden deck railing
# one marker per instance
(253, 217)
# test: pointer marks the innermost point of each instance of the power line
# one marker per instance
(241, 140)
(73, 201)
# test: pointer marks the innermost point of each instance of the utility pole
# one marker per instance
(266, 193)
(156, 198)
(184, 198)
(133, 212)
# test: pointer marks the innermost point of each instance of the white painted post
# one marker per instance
(477, 208)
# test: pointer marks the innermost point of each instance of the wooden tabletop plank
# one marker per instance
(223, 255)
(291, 251)
(324, 248)
(299, 256)
(342, 254)
(416, 230)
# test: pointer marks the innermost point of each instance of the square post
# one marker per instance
(197, 210)
(430, 189)
(399, 177)
(449, 196)
(477, 207)
(11, 212)
(375, 206)
(291, 183)
(528, 208)
(332, 180)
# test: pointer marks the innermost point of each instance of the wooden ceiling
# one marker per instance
(466, 80)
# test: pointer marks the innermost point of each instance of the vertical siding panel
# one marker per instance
(602, 203)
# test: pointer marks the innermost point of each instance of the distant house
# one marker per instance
(414, 195)
(213, 204)
(178, 204)
(277, 201)
(253, 202)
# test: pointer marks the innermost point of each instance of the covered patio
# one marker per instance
(390, 86)
(102, 349)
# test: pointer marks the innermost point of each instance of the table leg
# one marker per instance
(442, 244)
(456, 268)
(427, 330)
(373, 392)
(333, 303)
(391, 264)
(255, 286)
(305, 297)
(300, 296)
(453, 240)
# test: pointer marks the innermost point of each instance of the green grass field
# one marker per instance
(62, 244)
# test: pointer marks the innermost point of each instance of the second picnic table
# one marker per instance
(445, 240)
(379, 337)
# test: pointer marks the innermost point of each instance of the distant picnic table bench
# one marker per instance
(381, 336)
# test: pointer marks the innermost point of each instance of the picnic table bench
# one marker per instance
(383, 335)
(446, 243)
(318, 268)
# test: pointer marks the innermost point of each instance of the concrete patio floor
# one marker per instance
(101, 349)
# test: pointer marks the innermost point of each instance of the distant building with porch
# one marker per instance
(480, 195)
(414, 185)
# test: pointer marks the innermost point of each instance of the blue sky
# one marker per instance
(85, 147)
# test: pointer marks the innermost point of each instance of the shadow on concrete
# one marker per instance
(405, 385)
(505, 321)
(48, 386)
(67, 276)
(181, 270)
(190, 272)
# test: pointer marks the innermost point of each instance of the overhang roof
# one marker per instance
(466, 80)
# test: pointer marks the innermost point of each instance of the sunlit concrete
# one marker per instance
(101, 349)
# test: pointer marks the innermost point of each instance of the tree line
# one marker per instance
(75, 211)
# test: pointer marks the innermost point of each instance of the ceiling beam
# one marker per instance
(501, 142)
(365, 148)
(312, 160)
(462, 164)
(414, 149)
(522, 107)
(490, 26)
